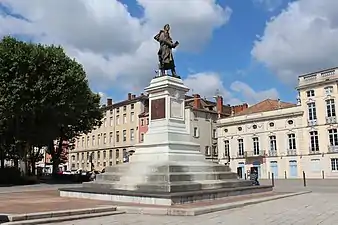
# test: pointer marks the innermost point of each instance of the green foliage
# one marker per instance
(44, 94)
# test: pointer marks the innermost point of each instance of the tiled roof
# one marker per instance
(266, 105)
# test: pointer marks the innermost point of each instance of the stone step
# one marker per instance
(173, 177)
(171, 187)
(189, 167)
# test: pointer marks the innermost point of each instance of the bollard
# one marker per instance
(245, 176)
(285, 175)
(304, 180)
(272, 179)
(323, 174)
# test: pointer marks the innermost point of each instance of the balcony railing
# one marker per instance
(313, 151)
(273, 153)
(332, 148)
(291, 152)
(249, 154)
(330, 120)
(240, 154)
(312, 123)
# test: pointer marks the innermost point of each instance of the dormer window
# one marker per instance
(328, 90)
(310, 93)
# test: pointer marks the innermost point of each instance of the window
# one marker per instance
(82, 156)
(207, 150)
(117, 136)
(87, 141)
(271, 124)
(98, 155)
(124, 108)
(291, 141)
(315, 165)
(334, 164)
(225, 130)
(104, 138)
(214, 133)
(105, 122)
(333, 137)
(195, 132)
(132, 117)
(314, 143)
(147, 121)
(82, 143)
(132, 135)
(239, 128)
(132, 106)
(330, 108)
(98, 139)
(226, 148)
(111, 121)
(328, 90)
(110, 137)
(256, 145)
(93, 140)
(104, 164)
(117, 120)
(273, 143)
(110, 163)
(310, 93)
(214, 150)
(124, 118)
(118, 110)
(290, 122)
(142, 122)
(78, 156)
(312, 111)
(124, 135)
(104, 154)
(88, 156)
(117, 154)
(240, 147)
(110, 154)
(142, 137)
(254, 126)
(111, 111)
(73, 157)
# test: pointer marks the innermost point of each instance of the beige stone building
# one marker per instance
(283, 138)
(110, 143)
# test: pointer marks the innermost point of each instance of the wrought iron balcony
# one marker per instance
(313, 151)
(240, 154)
(331, 119)
(332, 148)
(250, 154)
(273, 153)
(312, 123)
(291, 152)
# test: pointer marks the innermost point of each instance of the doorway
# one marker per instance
(256, 166)
(274, 168)
(293, 169)
(240, 172)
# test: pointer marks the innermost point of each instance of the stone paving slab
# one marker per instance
(43, 201)
(309, 209)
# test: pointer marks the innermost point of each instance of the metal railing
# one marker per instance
(312, 122)
(273, 153)
(291, 152)
(332, 148)
(331, 119)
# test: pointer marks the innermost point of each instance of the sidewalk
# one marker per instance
(43, 201)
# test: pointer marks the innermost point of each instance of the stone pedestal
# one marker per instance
(167, 168)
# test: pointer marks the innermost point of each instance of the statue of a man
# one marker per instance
(165, 54)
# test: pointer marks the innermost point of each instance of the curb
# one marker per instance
(202, 210)
(63, 218)
(56, 214)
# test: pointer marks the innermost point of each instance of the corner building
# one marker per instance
(285, 138)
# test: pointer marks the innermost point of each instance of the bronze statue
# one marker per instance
(165, 54)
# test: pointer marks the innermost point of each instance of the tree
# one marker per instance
(44, 96)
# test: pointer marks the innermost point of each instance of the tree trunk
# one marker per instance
(2, 157)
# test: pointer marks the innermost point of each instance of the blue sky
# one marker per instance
(113, 40)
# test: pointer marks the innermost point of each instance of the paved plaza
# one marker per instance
(309, 209)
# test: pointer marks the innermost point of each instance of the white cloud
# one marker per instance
(209, 83)
(270, 5)
(104, 98)
(116, 49)
(301, 39)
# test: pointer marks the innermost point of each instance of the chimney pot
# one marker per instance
(197, 101)
(109, 101)
(133, 96)
(219, 104)
(129, 96)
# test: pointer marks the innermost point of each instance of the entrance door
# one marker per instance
(240, 172)
(274, 168)
(257, 166)
(293, 169)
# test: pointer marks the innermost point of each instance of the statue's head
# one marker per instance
(166, 27)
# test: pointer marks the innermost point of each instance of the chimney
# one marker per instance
(129, 96)
(142, 94)
(133, 96)
(219, 104)
(197, 101)
(109, 101)
(278, 102)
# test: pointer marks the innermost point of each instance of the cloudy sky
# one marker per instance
(249, 49)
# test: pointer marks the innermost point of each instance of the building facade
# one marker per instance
(286, 139)
(110, 143)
